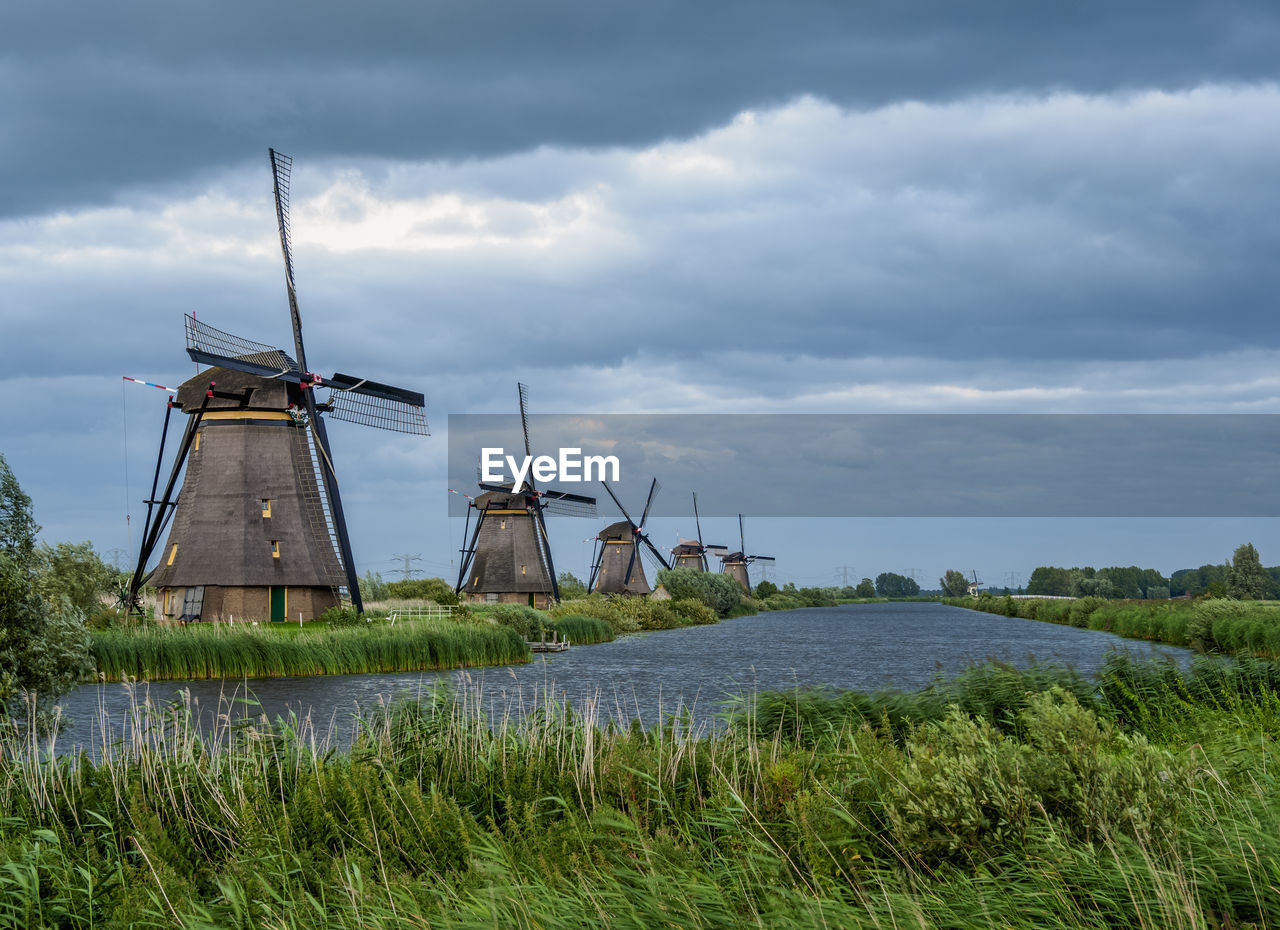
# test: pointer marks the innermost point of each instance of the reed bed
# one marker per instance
(1000, 799)
(1211, 625)
(582, 630)
(175, 653)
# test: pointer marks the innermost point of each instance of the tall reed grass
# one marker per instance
(1213, 625)
(176, 653)
(1003, 799)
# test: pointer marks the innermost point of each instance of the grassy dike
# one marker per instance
(1211, 625)
(1016, 799)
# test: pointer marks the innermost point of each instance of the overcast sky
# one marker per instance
(662, 207)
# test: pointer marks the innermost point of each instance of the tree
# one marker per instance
(571, 586)
(1098, 585)
(765, 588)
(866, 588)
(44, 646)
(891, 584)
(17, 527)
(74, 571)
(1247, 579)
(372, 587)
(954, 583)
(436, 590)
(1050, 580)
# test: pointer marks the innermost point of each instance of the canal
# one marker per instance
(863, 647)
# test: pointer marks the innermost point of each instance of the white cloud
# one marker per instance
(1061, 253)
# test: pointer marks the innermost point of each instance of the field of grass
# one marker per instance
(1211, 625)
(1004, 798)
(159, 653)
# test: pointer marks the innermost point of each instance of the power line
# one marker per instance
(844, 573)
(405, 572)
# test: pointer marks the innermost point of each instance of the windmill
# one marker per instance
(261, 532)
(508, 557)
(975, 584)
(734, 564)
(617, 566)
(692, 553)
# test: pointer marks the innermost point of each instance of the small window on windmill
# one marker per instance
(522, 570)
(502, 524)
(266, 507)
(172, 554)
(196, 447)
(275, 548)
(491, 598)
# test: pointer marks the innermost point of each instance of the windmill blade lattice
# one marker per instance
(281, 171)
(568, 505)
(211, 346)
(378, 413)
(653, 491)
(377, 410)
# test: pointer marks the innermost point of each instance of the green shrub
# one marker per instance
(718, 591)
(342, 616)
(1081, 608)
(601, 608)
(967, 787)
(522, 618)
(693, 610)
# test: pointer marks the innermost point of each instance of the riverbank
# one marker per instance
(1019, 799)
(1209, 625)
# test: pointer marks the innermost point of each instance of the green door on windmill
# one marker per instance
(277, 605)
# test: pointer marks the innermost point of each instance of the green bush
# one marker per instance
(1081, 608)
(968, 788)
(718, 591)
(693, 610)
(522, 618)
(342, 616)
(610, 610)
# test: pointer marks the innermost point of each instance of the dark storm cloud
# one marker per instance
(103, 96)
(774, 256)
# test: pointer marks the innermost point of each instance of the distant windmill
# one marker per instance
(618, 567)
(508, 558)
(734, 564)
(975, 584)
(692, 553)
(261, 532)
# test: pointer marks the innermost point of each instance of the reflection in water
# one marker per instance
(862, 647)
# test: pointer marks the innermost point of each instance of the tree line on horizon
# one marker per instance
(1243, 577)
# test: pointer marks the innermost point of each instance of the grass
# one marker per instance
(1002, 798)
(206, 651)
(1211, 625)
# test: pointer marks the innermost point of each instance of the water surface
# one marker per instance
(859, 646)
